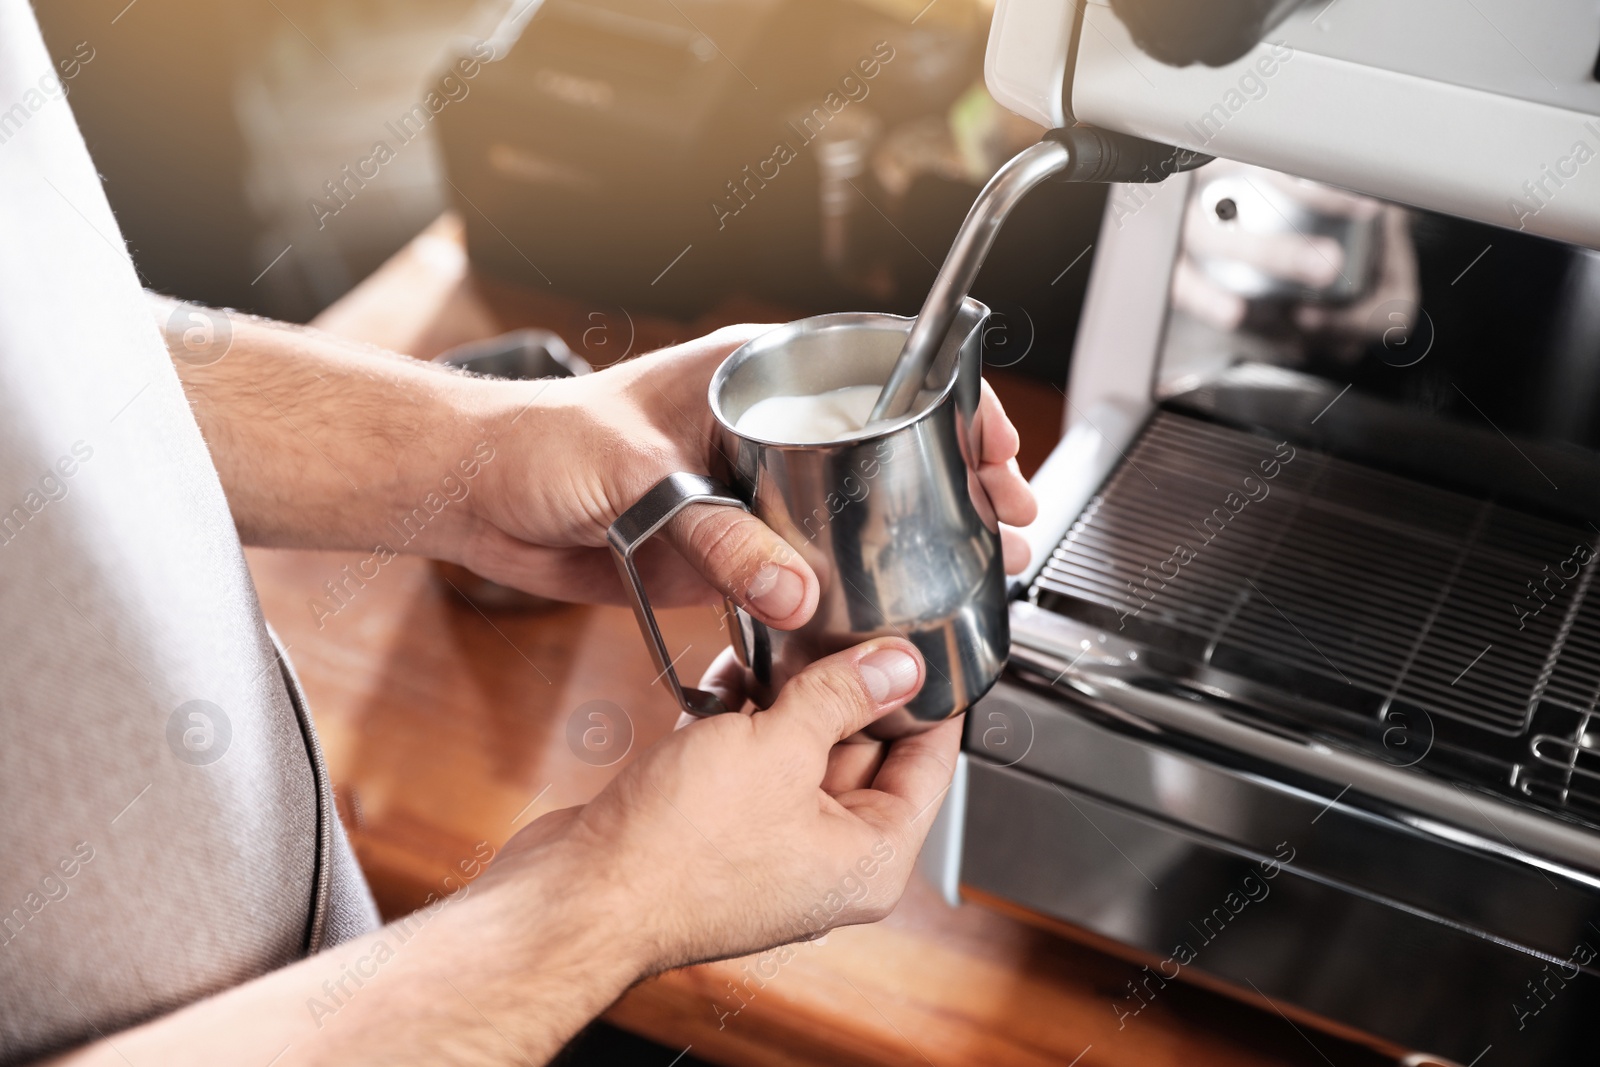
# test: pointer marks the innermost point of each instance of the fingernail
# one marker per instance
(776, 591)
(889, 673)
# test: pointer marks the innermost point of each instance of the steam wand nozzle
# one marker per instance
(1074, 154)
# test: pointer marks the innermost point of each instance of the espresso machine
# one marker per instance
(1302, 698)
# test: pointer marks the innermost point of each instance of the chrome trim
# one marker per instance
(1106, 676)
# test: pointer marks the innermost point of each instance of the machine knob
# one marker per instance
(1213, 32)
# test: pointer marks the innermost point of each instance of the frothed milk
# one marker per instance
(813, 420)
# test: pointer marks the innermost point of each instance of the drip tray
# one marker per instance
(1421, 626)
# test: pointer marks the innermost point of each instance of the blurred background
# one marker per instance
(815, 154)
(212, 125)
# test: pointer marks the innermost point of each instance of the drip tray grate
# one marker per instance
(1374, 597)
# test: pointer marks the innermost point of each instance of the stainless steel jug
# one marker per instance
(893, 520)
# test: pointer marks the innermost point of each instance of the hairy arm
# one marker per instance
(321, 442)
(492, 974)
(326, 443)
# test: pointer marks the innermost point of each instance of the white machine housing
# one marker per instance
(1485, 109)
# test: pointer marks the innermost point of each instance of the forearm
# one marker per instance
(504, 975)
(327, 443)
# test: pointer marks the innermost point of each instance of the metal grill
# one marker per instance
(1365, 593)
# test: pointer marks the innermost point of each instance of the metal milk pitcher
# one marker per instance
(893, 519)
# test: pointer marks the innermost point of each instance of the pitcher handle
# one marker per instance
(636, 526)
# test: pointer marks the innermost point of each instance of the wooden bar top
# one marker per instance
(445, 726)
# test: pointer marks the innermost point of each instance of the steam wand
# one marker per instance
(1075, 154)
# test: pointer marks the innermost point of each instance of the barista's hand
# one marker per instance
(727, 837)
(723, 839)
(586, 450)
(572, 455)
(1001, 479)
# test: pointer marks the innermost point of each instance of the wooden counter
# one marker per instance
(445, 727)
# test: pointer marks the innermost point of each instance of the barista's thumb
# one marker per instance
(740, 556)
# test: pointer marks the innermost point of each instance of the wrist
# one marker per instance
(436, 502)
(523, 957)
(530, 434)
(573, 914)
